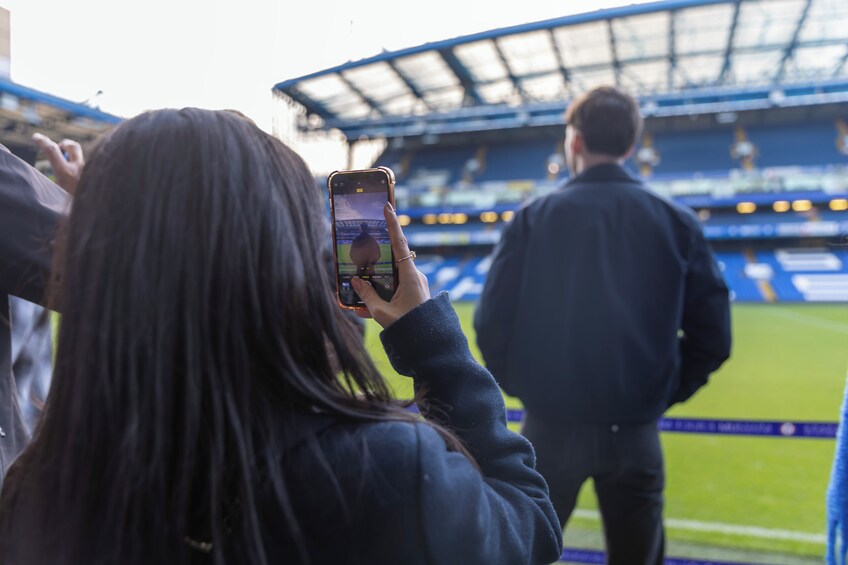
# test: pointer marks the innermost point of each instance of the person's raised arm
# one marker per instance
(31, 207)
(500, 513)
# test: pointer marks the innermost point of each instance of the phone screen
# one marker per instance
(361, 239)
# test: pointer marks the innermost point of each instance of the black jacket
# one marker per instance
(603, 303)
(393, 493)
(31, 208)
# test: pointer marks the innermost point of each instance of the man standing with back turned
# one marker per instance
(603, 307)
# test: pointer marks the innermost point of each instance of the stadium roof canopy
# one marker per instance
(678, 56)
(24, 111)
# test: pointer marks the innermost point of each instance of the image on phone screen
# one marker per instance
(363, 248)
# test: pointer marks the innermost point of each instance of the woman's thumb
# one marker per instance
(366, 292)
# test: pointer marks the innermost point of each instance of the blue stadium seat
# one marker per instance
(442, 275)
(392, 158)
(797, 276)
(449, 160)
(811, 144)
(781, 282)
(809, 274)
(518, 160)
(468, 283)
(743, 288)
(694, 152)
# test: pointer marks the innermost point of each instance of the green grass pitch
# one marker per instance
(346, 267)
(740, 493)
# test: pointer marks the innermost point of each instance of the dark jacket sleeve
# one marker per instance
(495, 315)
(705, 343)
(31, 208)
(501, 513)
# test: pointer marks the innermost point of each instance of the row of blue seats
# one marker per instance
(504, 161)
(733, 267)
(787, 276)
(811, 144)
(691, 152)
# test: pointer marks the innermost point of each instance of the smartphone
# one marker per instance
(361, 244)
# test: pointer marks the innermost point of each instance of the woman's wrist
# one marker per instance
(427, 331)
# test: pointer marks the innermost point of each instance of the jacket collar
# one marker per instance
(605, 172)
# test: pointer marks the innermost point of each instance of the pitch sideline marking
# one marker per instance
(722, 528)
(811, 320)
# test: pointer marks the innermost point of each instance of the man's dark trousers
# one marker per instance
(626, 464)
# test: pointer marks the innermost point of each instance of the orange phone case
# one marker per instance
(391, 198)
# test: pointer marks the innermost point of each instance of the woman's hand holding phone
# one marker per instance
(412, 288)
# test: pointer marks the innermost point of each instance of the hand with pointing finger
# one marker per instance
(65, 157)
(412, 289)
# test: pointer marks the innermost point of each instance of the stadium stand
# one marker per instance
(24, 111)
(438, 166)
(503, 161)
(757, 146)
(792, 275)
(762, 221)
(690, 153)
(812, 275)
(794, 195)
(682, 155)
(508, 161)
(744, 288)
(817, 275)
(800, 144)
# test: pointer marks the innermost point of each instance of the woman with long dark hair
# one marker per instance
(210, 402)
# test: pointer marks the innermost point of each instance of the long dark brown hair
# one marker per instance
(196, 307)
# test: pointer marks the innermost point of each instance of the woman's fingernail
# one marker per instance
(355, 283)
(390, 207)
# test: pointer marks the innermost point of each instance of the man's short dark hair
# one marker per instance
(608, 119)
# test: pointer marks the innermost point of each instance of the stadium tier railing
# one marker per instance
(716, 188)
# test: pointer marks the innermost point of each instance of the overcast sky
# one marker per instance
(368, 206)
(229, 53)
